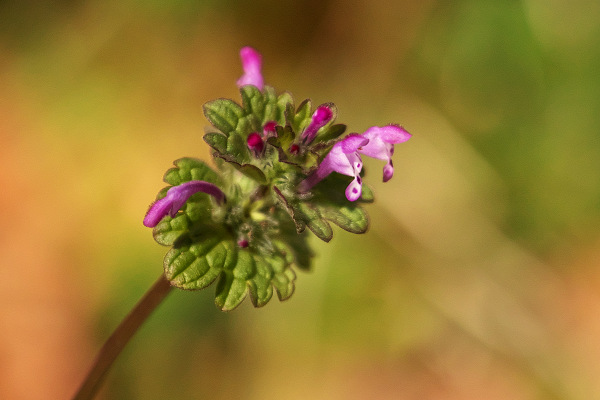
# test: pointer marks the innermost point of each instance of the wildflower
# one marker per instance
(176, 198)
(344, 159)
(320, 118)
(381, 145)
(252, 64)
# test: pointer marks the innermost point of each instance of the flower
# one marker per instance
(176, 198)
(320, 118)
(381, 145)
(344, 159)
(252, 64)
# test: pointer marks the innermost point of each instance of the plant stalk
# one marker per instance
(121, 336)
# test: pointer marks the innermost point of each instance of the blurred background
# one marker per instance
(478, 279)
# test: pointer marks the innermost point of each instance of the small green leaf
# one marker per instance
(253, 101)
(190, 169)
(260, 286)
(313, 219)
(224, 114)
(284, 284)
(303, 115)
(271, 109)
(285, 102)
(351, 217)
(237, 149)
(169, 229)
(217, 141)
(230, 291)
(196, 265)
(330, 133)
(367, 195)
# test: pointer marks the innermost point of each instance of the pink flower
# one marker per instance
(252, 64)
(344, 159)
(176, 198)
(381, 145)
(320, 118)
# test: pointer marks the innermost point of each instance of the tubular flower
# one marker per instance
(252, 64)
(344, 159)
(320, 118)
(381, 145)
(176, 198)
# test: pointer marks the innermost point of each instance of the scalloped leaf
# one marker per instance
(272, 112)
(223, 114)
(198, 260)
(330, 133)
(189, 169)
(302, 117)
(237, 150)
(217, 141)
(285, 108)
(195, 265)
(253, 101)
(351, 218)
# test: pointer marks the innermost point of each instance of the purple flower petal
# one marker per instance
(255, 143)
(320, 118)
(381, 145)
(252, 64)
(354, 189)
(176, 198)
(343, 158)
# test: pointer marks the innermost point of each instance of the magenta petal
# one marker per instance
(255, 143)
(176, 198)
(320, 118)
(354, 189)
(388, 171)
(252, 64)
(392, 134)
(352, 143)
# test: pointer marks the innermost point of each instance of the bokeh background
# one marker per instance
(478, 278)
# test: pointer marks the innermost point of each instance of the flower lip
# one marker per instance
(252, 65)
(176, 198)
(381, 145)
(343, 158)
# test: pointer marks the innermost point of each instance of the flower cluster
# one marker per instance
(272, 159)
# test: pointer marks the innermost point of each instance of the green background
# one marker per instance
(478, 278)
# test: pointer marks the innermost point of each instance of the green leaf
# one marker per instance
(199, 259)
(223, 114)
(330, 133)
(196, 264)
(237, 149)
(313, 219)
(190, 169)
(253, 101)
(304, 216)
(367, 195)
(271, 108)
(230, 291)
(302, 116)
(284, 284)
(351, 218)
(169, 229)
(260, 286)
(217, 141)
(285, 102)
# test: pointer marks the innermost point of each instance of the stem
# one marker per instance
(120, 337)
